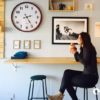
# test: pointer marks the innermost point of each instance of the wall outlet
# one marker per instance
(88, 6)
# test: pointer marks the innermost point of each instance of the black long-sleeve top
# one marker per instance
(88, 58)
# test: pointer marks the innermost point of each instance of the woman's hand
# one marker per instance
(73, 49)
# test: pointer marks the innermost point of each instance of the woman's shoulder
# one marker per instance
(90, 49)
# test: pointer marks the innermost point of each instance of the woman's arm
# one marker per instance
(85, 58)
(76, 56)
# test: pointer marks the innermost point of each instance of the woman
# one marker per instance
(89, 76)
(58, 33)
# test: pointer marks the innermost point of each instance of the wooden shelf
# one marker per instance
(60, 10)
(2, 28)
(45, 60)
(62, 5)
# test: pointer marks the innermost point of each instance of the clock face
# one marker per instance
(26, 17)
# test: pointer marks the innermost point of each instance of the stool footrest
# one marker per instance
(39, 98)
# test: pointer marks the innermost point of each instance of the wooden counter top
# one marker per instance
(45, 60)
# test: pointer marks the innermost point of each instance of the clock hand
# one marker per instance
(29, 16)
(28, 19)
(26, 16)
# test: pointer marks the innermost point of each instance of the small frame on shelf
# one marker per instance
(65, 30)
(61, 5)
(37, 44)
(16, 44)
(27, 44)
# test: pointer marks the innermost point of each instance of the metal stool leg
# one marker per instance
(43, 89)
(96, 94)
(29, 90)
(76, 89)
(32, 90)
(86, 94)
(46, 88)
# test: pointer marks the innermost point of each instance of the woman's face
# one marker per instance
(80, 41)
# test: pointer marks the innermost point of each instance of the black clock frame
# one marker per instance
(14, 10)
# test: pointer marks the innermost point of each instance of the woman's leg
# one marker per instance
(66, 82)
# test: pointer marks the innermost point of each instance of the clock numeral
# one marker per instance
(35, 12)
(17, 12)
(26, 27)
(21, 8)
(15, 16)
(36, 22)
(17, 22)
(26, 6)
(37, 17)
(20, 26)
(31, 26)
(31, 8)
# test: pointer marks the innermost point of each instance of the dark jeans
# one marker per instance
(71, 77)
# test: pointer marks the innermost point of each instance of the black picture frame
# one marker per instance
(65, 30)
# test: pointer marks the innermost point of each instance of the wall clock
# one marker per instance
(26, 16)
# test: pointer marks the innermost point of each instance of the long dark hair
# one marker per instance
(86, 39)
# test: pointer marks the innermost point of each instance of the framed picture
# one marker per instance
(27, 44)
(16, 44)
(65, 30)
(37, 44)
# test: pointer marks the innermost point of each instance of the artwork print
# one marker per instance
(65, 30)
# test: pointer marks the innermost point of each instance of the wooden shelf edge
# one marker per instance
(61, 10)
(45, 60)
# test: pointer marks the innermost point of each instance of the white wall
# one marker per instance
(17, 83)
(44, 32)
